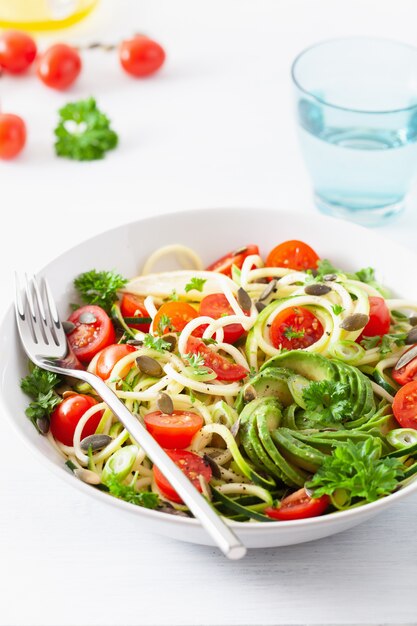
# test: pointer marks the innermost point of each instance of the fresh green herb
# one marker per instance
(324, 266)
(174, 296)
(357, 469)
(337, 309)
(210, 341)
(99, 288)
(83, 132)
(192, 396)
(70, 465)
(165, 325)
(327, 402)
(128, 493)
(290, 333)
(195, 283)
(155, 343)
(366, 275)
(390, 341)
(39, 385)
(370, 342)
(196, 361)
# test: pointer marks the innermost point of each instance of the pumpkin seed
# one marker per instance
(134, 342)
(96, 442)
(87, 318)
(330, 277)
(213, 466)
(244, 299)
(165, 403)
(260, 306)
(68, 327)
(268, 290)
(43, 425)
(317, 289)
(355, 322)
(413, 320)
(172, 340)
(235, 428)
(87, 476)
(411, 337)
(249, 393)
(149, 366)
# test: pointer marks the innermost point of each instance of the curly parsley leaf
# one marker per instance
(164, 325)
(99, 288)
(337, 309)
(196, 362)
(83, 132)
(128, 493)
(387, 343)
(290, 333)
(195, 283)
(327, 402)
(155, 343)
(357, 469)
(39, 385)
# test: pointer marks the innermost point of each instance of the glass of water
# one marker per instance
(356, 103)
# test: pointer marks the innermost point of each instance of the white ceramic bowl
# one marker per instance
(212, 233)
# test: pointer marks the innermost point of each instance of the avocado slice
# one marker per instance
(308, 364)
(271, 382)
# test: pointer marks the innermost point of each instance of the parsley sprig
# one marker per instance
(387, 343)
(357, 469)
(83, 132)
(327, 402)
(164, 325)
(99, 288)
(40, 385)
(195, 283)
(155, 343)
(196, 362)
(290, 333)
(128, 493)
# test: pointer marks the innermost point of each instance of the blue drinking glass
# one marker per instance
(356, 106)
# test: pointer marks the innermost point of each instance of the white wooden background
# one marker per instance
(214, 128)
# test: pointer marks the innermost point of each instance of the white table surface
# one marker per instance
(214, 128)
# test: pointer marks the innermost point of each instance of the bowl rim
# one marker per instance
(160, 516)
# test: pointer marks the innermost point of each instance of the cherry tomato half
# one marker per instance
(379, 318)
(133, 306)
(405, 405)
(222, 367)
(141, 56)
(12, 135)
(224, 264)
(88, 338)
(110, 356)
(191, 464)
(295, 328)
(17, 51)
(407, 373)
(59, 66)
(177, 315)
(299, 505)
(216, 305)
(65, 417)
(174, 430)
(293, 254)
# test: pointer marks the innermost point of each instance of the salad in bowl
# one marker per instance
(273, 381)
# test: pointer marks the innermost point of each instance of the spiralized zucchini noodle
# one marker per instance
(300, 382)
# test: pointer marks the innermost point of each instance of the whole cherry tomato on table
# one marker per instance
(141, 56)
(12, 135)
(65, 417)
(17, 51)
(59, 66)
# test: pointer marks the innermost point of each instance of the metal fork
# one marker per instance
(45, 343)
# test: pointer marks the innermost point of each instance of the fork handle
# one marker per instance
(224, 537)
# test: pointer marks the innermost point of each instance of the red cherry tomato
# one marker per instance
(405, 405)
(216, 305)
(191, 464)
(295, 328)
(178, 314)
(88, 338)
(224, 264)
(174, 430)
(59, 66)
(65, 417)
(295, 255)
(407, 373)
(223, 368)
(110, 356)
(379, 319)
(141, 56)
(299, 505)
(12, 135)
(132, 306)
(17, 51)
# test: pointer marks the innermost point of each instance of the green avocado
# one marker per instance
(308, 364)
